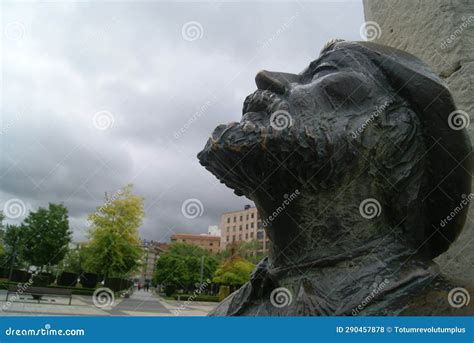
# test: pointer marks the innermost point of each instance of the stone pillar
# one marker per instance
(441, 33)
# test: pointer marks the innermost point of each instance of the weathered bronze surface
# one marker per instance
(355, 168)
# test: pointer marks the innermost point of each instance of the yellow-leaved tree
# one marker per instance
(114, 249)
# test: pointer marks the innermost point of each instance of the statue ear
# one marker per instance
(448, 150)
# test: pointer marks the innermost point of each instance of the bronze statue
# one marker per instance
(355, 166)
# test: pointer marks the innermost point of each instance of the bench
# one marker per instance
(38, 292)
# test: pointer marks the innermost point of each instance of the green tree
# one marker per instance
(2, 236)
(180, 266)
(72, 262)
(234, 271)
(114, 248)
(11, 238)
(44, 236)
(251, 251)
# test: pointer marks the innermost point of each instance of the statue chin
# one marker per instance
(233, 155)
(237, 153)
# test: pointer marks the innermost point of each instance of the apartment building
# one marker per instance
(242, 226)
(151, 254)
(210, 243)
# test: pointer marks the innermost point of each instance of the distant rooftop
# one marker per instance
(246, 207)
(195, 236)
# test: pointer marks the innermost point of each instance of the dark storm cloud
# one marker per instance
(97, 95)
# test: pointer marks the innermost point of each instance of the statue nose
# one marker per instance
(275, 81)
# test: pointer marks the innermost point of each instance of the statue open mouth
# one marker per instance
(234, 151)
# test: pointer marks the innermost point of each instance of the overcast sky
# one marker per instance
(96, 95)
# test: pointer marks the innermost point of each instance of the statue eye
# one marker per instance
(323, 68)
(344, 85)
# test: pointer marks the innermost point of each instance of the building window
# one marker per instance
(247, 217)
(251, 234)
(227, 238)
(210, 244)
(252, 215)
(246, 226)
(240, 228)
(228, 228)
(235, 219)
(246, 236)
(228, 220)
(233, 238)
(233, 228)
(240, 237)
(241, 218)
(259, 234)
(251, 225)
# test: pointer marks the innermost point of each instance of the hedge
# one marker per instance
(89, 280)
(190, 297)
(4, 272)
(50, 278)
(20, 276)
(75, 290)
(117, 284)
(67, 279)
(5, 283)
(41, 280)
(169, 290)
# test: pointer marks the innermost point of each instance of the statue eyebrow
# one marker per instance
(318, 65)
(311, 67)
(324, 65)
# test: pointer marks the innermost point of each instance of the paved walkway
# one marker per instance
(188, 308)
(140, 303)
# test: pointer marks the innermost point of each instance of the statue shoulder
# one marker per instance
(222, 309)
(235, 303)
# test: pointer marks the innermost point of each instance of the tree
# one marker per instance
(114, 248)
(72, 262)
(12, 247)
(44, 236)
(180, 266)
(234, 271)
(2, 236)
(251, 251)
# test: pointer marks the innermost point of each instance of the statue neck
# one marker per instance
(325, 230)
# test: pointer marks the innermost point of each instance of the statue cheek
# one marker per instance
(347, 89)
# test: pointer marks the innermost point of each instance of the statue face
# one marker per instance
(294, 124)
(362, 121)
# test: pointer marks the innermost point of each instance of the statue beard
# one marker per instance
(265, 152)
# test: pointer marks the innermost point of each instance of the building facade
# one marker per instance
(207, 242)
(242, 226)
(151, 254)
